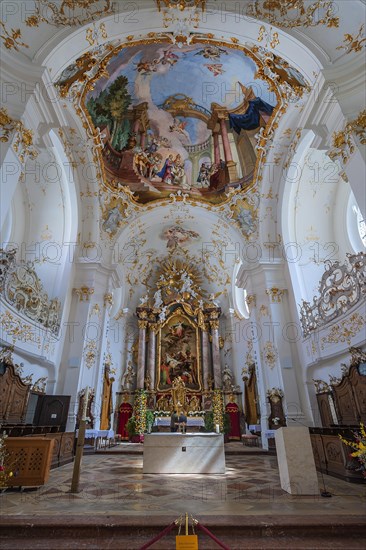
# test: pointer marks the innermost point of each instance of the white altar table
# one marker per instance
(176, 453)
(191, 421)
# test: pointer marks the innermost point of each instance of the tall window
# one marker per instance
(356, 224)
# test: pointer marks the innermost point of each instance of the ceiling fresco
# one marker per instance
(180, 118)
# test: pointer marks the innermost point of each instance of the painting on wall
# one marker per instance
(178, 354)
(178, 237)
(179, 118)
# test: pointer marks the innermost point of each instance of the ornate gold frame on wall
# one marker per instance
(179, 314)
(156, 38)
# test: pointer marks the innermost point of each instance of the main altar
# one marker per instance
(177, 453)
(177, 360)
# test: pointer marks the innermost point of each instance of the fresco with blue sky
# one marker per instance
(156, 120)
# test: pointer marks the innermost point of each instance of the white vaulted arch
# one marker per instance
(110, 109)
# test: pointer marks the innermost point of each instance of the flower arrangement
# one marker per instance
(360, 447)
(196, 413)
(162, 413)
(275, 420)
(150, 418)
(218, 409)
(5, 472)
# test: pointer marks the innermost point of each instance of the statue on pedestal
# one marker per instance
(227, 379)
(194, 404)
(128, 377)
(178, 392)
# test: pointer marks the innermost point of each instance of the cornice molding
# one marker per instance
(84, 267)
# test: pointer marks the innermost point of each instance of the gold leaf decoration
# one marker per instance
(23, 138)
(66, 14)
(294, 13)
(12, 39)
(353, 43)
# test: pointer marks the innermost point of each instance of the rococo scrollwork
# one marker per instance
(21, 287)
(340, 288)
(69, 13)
(275, 394)
(294, 13)
(181, 4)
(342, 143)
(23, 138)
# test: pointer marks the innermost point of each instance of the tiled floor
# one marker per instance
(113, 485)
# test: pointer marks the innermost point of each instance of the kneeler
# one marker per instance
(125, 412)
(233, 410)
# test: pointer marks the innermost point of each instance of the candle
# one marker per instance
(85, 404)
(217, 428)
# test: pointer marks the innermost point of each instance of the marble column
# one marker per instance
(231, 165)
(136, 126)
(141, 355)
(217, 155)
(206, 368)
(216, 361)
(151, 356)
(225, 140)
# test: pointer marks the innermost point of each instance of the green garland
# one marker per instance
(218, 409)
(140, 411)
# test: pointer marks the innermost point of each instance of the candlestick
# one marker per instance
(85, 404)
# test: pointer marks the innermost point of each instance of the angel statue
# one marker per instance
(148, 382)
(158, 300)
(186, 282)
(162, 314)
(144, 300)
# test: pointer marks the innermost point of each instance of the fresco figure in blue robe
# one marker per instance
(165, 173)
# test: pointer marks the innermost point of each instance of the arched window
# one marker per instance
(356, 225)
(239, 295)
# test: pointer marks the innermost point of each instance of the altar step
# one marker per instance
(294, 532)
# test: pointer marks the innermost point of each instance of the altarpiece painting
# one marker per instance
(179, 354)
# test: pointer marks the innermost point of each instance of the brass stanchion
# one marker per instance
(79, 446)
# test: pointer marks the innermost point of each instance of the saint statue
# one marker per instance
(194, 404)
(128, 376)
(227, 378)
(178, 392)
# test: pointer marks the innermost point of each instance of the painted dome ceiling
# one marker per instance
(173, 117)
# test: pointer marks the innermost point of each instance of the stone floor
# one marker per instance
(113, 488)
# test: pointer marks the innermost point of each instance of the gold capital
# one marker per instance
(275, 294)
(84, 293)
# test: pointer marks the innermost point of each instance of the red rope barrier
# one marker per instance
(199, 526)
(159, 536)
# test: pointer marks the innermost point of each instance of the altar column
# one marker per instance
(151, 355)
(205, 359)
(141, 355)
(216, 362)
